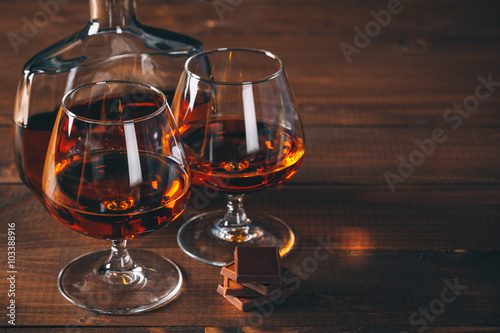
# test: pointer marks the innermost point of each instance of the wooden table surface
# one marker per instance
(424, 257)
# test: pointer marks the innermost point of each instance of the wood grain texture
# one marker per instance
(391, 252)
(8, 169)
(390, 255)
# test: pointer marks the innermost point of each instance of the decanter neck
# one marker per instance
(111, 14)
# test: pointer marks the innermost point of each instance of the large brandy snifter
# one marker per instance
(116, 170)
(238, 120)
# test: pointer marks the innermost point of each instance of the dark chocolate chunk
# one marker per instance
(245, 304)
(232, 288)
(267, 288)
(229, 271)
(257, 264)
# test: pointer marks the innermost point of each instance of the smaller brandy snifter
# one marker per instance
(116, 170)
(238, 120)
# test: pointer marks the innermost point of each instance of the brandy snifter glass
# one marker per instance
(116, 170)
(238, 120)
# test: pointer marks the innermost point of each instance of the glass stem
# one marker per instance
(119, 260)
(120, 269)
(235, 215)
(235, 226)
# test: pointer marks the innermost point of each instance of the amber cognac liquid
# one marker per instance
(97, 196)
(227, 156)
(31, 142)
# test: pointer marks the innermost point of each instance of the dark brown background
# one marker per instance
(393, 250)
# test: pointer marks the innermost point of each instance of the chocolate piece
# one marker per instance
(232, 288)
(245, 304)
(229, 271)
(257, 264)
(267, 288)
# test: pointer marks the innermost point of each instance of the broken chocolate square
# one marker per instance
(263, 288)
(229, 271)
(267, 288)
(245, 304)
(257, 264)
(232, 288)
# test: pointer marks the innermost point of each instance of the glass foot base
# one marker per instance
(201, 239)
(156, 280)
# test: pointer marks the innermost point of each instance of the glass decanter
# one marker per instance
(113, 46)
